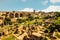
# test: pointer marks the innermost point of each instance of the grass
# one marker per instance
(10, 37)
(58, 35)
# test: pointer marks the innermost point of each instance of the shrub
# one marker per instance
(46, 17)
(21, 20)
(7, 21)
(30, 18)
(10, 38)
(57, 14)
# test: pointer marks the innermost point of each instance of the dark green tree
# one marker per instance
(7, 21)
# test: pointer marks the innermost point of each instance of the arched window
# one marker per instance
(11, 15)
(16, 15)
(7, 14)
(21, 15)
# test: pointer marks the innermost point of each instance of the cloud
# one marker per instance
(54, 1)
(52, 8)
(49, 9)
(27, 9)
(45, 2)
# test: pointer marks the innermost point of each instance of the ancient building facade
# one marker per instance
(13, 15)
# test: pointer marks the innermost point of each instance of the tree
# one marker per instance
(30, 18)
(46, 17)
(57, 14)
(57, 22)
(7, 21)
(21, 20)
(50, 29)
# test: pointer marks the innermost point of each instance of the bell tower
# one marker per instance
(34, 11)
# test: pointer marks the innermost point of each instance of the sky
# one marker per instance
(30, 5)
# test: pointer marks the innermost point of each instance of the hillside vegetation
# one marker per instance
(34, 27)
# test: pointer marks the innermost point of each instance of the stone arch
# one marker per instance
(11, 15)
(21, 15)
(7, 14)
(16, 15)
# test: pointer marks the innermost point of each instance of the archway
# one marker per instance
(11, 15)
(16, 15)
(21, 15)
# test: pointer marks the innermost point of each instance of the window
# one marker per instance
(21, 15)
(11, 15)
(16, 15)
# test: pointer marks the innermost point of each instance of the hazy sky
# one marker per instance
(22, 4)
